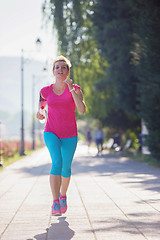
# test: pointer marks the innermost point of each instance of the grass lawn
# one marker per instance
(143, 158)
(16, 157)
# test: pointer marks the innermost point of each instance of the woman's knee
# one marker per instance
(66, 172)
(55, 170)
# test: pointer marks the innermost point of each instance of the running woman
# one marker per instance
(60, 132)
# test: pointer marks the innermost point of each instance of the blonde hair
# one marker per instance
(63, 59)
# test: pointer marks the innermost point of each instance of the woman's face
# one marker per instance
(60, 70)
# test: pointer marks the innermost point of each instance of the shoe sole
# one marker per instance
(56, 214)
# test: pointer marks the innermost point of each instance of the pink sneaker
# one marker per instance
(63, 203)
(56, 210)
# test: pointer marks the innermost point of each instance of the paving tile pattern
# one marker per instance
(109, 197)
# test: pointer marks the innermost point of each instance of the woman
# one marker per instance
(88, 137)
(60, 133)
(99, 138)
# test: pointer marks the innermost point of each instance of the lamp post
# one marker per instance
(22, 150)
(22, 104)
(33, 121)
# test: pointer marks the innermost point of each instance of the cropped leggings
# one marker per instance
(61, 151)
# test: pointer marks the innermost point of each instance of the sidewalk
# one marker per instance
(109, 198)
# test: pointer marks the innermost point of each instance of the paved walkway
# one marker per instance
(109, 198)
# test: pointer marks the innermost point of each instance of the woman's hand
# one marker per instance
(40, 116)
(69, 83)
(77, 96)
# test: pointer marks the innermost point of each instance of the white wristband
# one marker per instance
(72, 89)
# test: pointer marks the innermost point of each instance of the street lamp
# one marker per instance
(22, 150)
(38, 41)
(22, 104)
(33, 122)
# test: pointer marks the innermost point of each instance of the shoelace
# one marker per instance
(63, 202)
(56, 206)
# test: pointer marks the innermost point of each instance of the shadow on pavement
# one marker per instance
(117, 227)
(43, 169)
(108, 165)
(58, 230)
(112, 165)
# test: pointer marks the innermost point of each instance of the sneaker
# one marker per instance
(63, 203)
(56, 210)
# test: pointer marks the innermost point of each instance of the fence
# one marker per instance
(9, 148)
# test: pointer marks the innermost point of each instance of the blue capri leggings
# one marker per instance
(61, 151)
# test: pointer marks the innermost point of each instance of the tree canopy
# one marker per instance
(115, 52)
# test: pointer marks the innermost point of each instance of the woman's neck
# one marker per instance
(60, 84)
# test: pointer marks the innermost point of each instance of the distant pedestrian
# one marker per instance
(88, 137)
(99, 138)
(60, 133)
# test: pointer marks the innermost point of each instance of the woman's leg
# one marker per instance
(55, 184)
(64, 185)
(68, 148)
(97, 143)
(53, 144)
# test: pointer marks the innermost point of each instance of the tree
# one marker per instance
(114, 33)
(147, 38)
(114, 48)
(71, 19)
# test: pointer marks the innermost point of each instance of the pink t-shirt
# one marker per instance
(61, 112)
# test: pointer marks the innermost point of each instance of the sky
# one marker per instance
(21, 23)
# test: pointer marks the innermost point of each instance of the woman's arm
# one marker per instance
(77, 96)
(78, 99)
(42, 104)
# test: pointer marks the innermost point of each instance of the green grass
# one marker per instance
(139, 157)
(81, 137)
(16, 157)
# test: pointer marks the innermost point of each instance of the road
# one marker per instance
(109, 197)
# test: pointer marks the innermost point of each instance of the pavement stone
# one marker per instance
(109, 197)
